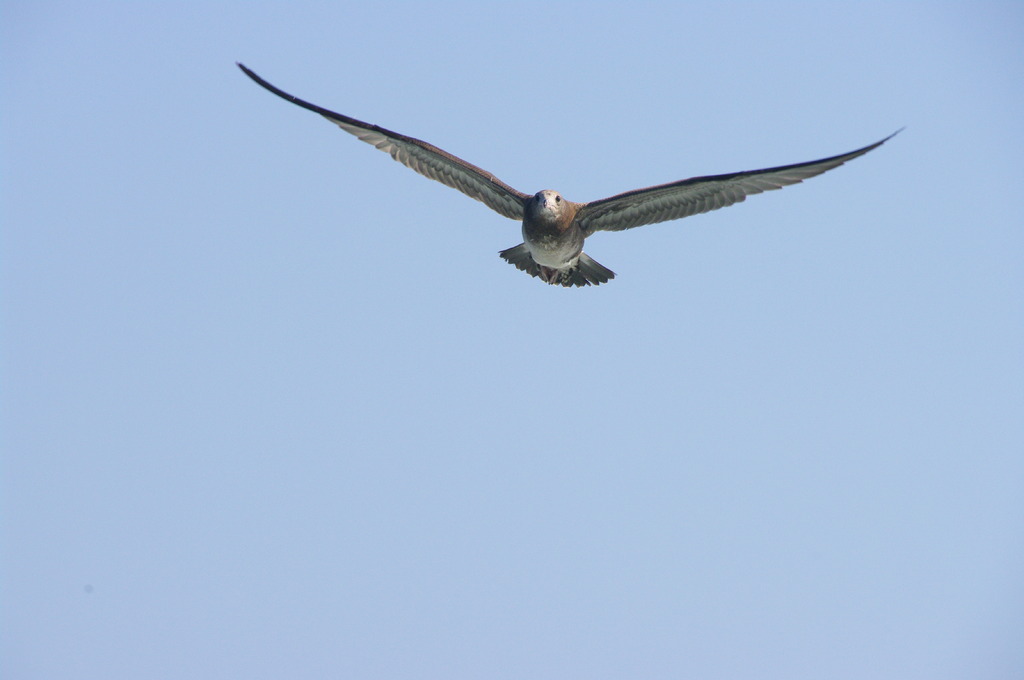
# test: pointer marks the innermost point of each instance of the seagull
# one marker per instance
(554, 228)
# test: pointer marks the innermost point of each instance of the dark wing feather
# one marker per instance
(424, 158)
(699, 194)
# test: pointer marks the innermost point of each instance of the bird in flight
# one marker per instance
(554, 228)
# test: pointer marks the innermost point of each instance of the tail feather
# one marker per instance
(520, 258)
(585, 272)
(594, 272)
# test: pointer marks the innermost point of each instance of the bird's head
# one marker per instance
(548, 206)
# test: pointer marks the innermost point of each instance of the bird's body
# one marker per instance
(551, 235)
(554, 228)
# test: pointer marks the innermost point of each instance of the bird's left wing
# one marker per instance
(424, 158)
(699, 194)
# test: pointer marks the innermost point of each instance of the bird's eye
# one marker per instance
(558, 199)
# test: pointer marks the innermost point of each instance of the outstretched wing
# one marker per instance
(424, 158)
(699, 194)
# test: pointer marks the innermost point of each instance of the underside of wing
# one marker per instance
(700, 194)
(424, 158)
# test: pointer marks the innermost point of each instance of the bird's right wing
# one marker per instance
(424, 158)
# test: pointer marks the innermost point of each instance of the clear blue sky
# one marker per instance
(272, 407)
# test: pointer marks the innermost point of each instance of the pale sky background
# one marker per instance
(272, 406)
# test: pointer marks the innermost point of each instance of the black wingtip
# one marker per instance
(262, 83)
(886, 139)
(281, 93)
(252, 74)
